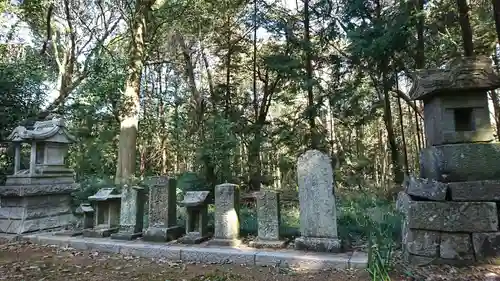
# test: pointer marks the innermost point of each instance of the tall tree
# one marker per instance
(465, 26)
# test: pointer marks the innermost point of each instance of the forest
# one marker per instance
(214, 91)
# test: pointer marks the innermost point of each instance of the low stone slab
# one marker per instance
(273, 244)
(30, 225)
(486, 245)
(488, 190)
(282, 258)
(453, 216)
(331, 245)
(41, 189)
(427, 189)
(456, 246)
(422, 242)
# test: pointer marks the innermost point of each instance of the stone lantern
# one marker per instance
(450, 210)
(38, 198)
(106, 204)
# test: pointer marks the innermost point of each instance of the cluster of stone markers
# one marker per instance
(451, 210)
(39, 199)
(120, 216)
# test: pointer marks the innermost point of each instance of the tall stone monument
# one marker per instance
(162, 210)
(131, 213)
(450, 210)
(227, 224)
(39, 197)
(318, 214)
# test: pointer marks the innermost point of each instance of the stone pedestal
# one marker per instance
(227, 224)
(197, 217)
(318, 214)
(131, 213)
(37, 205)
(106, 204)
(268, 219)
(162, 211)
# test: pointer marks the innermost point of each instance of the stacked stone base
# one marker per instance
(31, 208)
(443, 226)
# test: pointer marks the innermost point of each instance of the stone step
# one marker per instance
(204, 254)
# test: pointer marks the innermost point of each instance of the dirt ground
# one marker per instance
(25, 261)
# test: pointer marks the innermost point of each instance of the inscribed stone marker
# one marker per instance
(268, 219)
(227, 225)
(131, 213)
(318, 215)
(162, 210)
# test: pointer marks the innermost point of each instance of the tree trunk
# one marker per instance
(463, 18)
(396, 167)
(311, 107)
(496, 11)
(130, 120)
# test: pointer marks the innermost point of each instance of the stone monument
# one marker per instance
(450, 210)
(197, 217)
(107, 213)
(227, 224)
(38, 198)
(162, 210)
(85, 220)
(318, 214)
(131, 213)
(268, 220)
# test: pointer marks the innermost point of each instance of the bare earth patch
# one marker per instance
(25, 261)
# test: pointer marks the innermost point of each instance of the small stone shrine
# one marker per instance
(87, 213)
(268, 220)
(38, 198)
(131, 213)
(227, 224)
(197, 217)
(450, 210)
(107, 213)
(318, 213)
(162, 210)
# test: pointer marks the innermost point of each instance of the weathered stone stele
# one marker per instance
(196, 204)
(227, 224)
(131, 213)
(38, 198)
(162, 210)
(318, 214)
(107, 213)
(268, 220)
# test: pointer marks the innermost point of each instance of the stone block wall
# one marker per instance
(450, 223)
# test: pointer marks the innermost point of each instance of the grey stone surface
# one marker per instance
(283, 258)
(216, 255)
(131, 213)
(461, 162)
(453, 216)
(403, 203)
(316, 244)
(318, 214)
(162, 211)
(422, 242)
(488, 190)
(31, 225)
(194, 238)
(106, 203)
(268, 215)
(227, 224)
(307, 261)
(42, 189)
(151, 251)
(195, 198)
(427, 189)
(26, 213)
(486, 245)
(273, 244)
(456, 246)
(99, 232)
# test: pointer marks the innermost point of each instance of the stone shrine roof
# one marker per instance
(460, 74)
(105, 194)
(194, 198)
(84, 208)
(51, 130)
